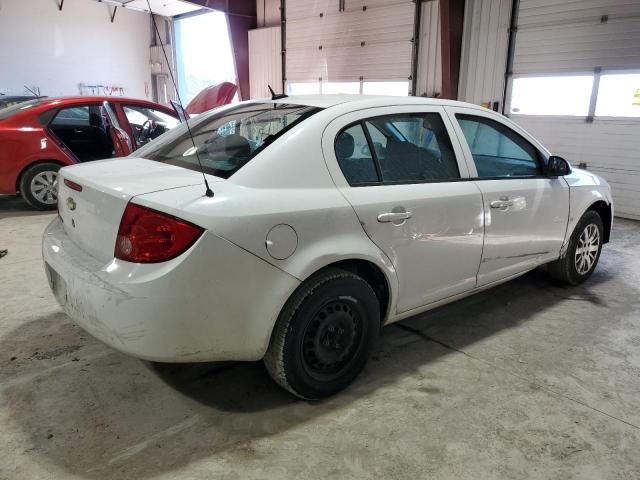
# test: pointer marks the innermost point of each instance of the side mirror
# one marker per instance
(557, 167)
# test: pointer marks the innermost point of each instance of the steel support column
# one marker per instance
(451, 22)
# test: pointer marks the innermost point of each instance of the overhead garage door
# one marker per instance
(332, 41)
(576, 86)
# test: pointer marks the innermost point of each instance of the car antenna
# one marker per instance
(208, 192)
(276, 96)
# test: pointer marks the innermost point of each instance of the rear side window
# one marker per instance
(226, 140)
(497, 150)
(354, 156)
(404, 148)
(72, 116)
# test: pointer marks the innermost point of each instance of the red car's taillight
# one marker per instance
(148, 236)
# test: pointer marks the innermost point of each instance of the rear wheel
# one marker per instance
(583, 251)
(324, 335)
(39, 185)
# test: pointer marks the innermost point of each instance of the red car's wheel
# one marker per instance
(39, 185)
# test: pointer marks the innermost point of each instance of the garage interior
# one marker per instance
(528, 380)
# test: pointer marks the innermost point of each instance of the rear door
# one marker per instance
(405, 178)
(526, 212)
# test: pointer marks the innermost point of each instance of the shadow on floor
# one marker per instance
(101, 414)
(15, 206)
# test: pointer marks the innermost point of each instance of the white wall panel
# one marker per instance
(429, 82)
(608, 147)
(57, 50)
(265, 61)
(370, 39)
(484, 51)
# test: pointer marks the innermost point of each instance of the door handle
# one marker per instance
(394, 217)
(503, 203)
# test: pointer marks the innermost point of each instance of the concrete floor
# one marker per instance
(527, 381)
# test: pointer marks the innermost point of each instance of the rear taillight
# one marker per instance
(149, 236)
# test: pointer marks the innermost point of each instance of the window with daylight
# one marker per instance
(558, 95)
(619, 95)
(203, 53)
(368, 88)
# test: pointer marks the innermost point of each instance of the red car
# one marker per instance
(40, 136)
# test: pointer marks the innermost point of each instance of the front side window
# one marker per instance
(148, 123)
(497, 150)
(226, 140)
(413, 148)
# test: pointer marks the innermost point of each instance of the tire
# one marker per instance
(577, 265)
(38, 185)
(324, 334)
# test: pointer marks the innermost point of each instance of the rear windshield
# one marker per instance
(226, 140)
(18, 107)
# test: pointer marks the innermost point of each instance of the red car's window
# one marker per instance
(17, 108)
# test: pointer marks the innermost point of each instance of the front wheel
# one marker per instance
(583, 251)
(39, 185)
(324, 335)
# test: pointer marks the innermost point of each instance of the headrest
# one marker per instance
(345, 145)
(237, 145)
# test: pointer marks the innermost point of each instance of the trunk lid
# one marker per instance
(92, 216)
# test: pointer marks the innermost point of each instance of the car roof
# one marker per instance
(92, 98)
(364, 101)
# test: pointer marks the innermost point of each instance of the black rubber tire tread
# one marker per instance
(25, 181)
(274, 359)
(564, 269)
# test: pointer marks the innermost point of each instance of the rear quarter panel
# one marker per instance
(22, 146)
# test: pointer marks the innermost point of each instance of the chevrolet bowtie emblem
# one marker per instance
(71, 204)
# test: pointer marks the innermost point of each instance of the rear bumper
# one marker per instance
(214, 302)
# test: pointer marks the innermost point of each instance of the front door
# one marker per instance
(122, 144)
(404, 177)
(526, 212)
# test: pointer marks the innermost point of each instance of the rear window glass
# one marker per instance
(226, 140)
(18, 107)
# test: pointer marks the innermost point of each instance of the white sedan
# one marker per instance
(327, 218)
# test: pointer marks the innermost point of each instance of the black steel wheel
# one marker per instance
(324, 335)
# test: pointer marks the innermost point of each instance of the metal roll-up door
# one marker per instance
(349, 41)
(572, 36)
(585, 37)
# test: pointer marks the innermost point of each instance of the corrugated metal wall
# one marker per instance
(484, 51)
(369, 39)
(429, 81)
(265, 61)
